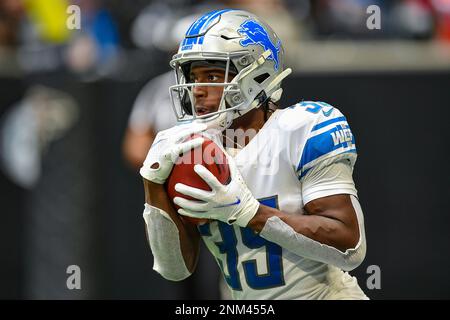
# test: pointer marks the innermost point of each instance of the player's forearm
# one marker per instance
(156, 196)
(325, 230)
(325, 236)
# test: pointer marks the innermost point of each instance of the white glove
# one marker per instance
(231, 203)
(166, 149)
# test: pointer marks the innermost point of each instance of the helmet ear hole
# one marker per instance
(260, 79)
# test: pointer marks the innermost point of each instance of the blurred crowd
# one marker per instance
(34, 36)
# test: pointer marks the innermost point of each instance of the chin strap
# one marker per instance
(221, 122)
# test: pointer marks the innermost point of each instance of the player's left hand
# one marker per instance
(231, 203)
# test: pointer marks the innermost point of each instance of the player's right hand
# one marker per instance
(230, 203)
(166, 149)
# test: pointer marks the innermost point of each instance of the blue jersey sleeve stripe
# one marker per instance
(328, 122)
(322, 144)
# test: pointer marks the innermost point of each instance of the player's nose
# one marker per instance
(200, 92)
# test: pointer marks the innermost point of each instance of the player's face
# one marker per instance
(207, 98)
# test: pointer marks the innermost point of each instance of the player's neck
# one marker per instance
(252, 120)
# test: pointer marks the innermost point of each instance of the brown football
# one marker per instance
(210, 155)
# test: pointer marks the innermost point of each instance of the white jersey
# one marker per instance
(275, 166)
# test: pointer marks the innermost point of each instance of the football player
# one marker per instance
(289, 224)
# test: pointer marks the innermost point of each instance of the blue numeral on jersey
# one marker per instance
(228, 246)
(274, 276)
(315, 107)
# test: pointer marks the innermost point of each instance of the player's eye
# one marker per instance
(213, 77)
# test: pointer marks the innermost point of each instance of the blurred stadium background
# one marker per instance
(69, 150)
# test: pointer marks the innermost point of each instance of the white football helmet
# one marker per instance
(241, 44)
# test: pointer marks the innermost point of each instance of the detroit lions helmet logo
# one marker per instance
(256, 34)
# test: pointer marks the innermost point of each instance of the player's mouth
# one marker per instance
(200, 111)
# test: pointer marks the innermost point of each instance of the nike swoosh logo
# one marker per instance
(230, 204)
(327, 114)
